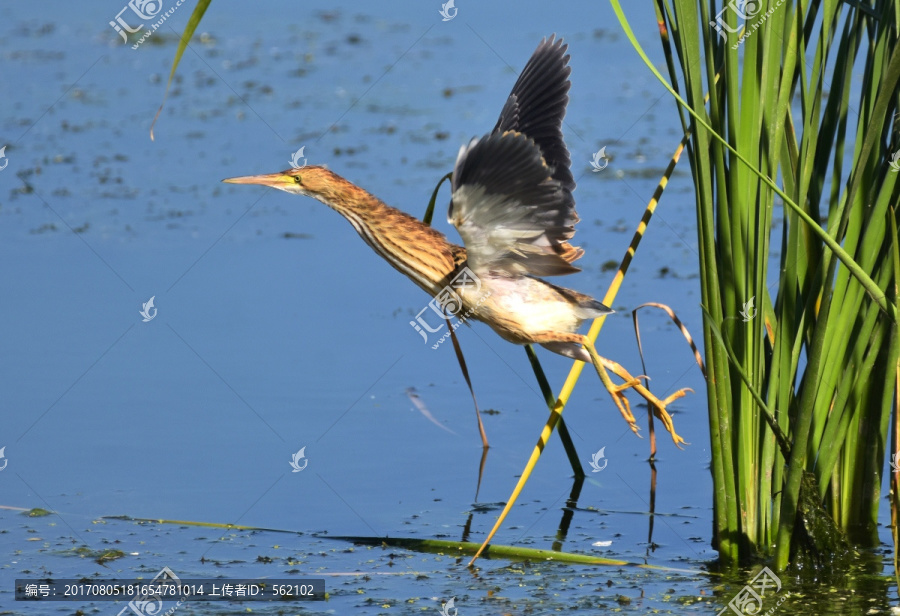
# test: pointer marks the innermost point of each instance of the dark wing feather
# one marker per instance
(537, 104)
(511, 213)
(512, 190)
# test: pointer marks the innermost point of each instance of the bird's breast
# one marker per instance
(518, 308)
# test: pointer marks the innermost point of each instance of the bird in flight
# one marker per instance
(512, 205)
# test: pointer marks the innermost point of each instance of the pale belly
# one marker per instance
(518, 309)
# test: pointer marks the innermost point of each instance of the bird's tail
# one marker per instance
(591, 309)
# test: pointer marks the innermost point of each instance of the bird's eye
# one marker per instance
(297, 180)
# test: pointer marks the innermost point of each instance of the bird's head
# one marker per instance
(310, 180)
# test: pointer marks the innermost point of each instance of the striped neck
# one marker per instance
(410, 246)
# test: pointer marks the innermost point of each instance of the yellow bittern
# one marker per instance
(512, 204)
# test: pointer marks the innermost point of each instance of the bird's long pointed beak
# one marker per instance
(275, 180)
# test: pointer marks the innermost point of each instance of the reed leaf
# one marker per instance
(801, 124)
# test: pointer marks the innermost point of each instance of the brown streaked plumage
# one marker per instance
(513, 207)
(413, 248)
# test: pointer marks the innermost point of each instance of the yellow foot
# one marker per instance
(659, 409)
(657, 406)
(621, 402)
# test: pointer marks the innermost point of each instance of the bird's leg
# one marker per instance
(601, 364)
(658, 406)
(614, 390)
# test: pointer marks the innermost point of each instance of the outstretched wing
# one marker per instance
(537, 104)
(510, 212)
(512, 189)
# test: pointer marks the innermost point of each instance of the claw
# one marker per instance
(659, 410)
(681, 393)
(657, 406)
(626, 385)
(624, 406)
